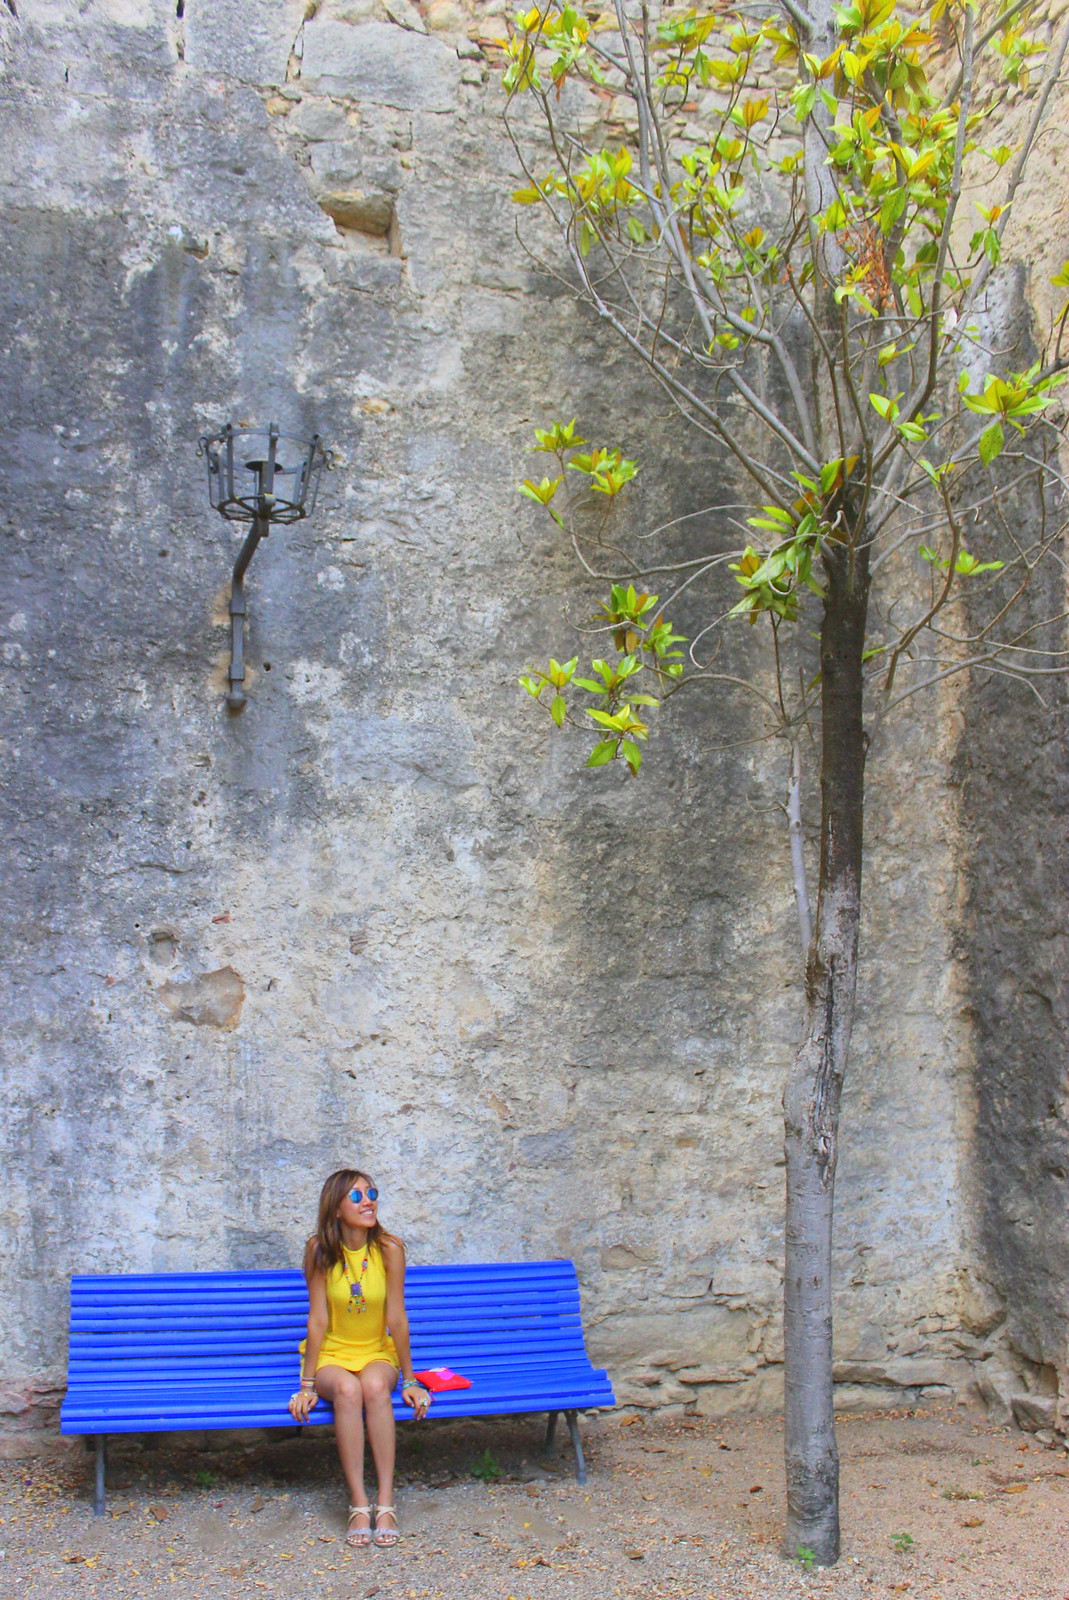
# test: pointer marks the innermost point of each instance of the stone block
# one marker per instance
(907, 1373)
(39, 1443)
(445, 16)
(404, 13)
(997, 1388)
(363, 213)
(870, 1343)
(250, 40)
(1034, 1411)
(980, 1307)
(349, 164)
(699, 1337)
(863, 1397)
(369, 270)
(761, 1395)
(699, 1376)
(318, 120)
(381, 64)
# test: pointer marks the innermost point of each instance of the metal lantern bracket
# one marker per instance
(249, 482)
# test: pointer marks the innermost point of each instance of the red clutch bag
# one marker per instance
(438, 1378)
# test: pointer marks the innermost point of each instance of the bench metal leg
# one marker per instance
(573, 1429)
(101, 1462)
(551, 1428)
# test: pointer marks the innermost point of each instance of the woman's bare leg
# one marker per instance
(377, 1380)
(345, 1392)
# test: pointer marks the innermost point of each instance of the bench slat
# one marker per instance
(292, 1328)
(188, 1394)
(282, 1368)
(541, 1292)
(268, 1317)
(276, 1416)
(115, 1285)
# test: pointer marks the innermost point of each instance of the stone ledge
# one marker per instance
(903, 1374)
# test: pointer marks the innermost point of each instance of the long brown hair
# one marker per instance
(325, 1247)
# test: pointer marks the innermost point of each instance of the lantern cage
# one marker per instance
(258, 474)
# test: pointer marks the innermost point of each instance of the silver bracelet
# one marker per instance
(411, 1383)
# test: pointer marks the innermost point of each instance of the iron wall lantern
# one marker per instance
(248, 481)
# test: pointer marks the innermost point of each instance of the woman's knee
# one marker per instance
(376, 1385)
(348, 1391)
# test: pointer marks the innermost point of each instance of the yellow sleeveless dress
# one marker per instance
(354, 1338)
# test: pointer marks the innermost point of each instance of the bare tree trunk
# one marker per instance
(814, 1084)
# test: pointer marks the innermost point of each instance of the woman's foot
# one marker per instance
(386, 1533)
(358, 1533)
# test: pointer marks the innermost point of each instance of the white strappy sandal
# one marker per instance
(359, 1538)
(385, 1537)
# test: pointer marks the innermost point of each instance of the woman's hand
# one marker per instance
(301, 1403)
(418, 1398)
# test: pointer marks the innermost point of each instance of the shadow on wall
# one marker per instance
(1015, 938)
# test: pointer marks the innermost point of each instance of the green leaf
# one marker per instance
(602, 752)
(560, 437)
(829, 475)
(891, 209)
(803, 98)
(542, 492)
(967, 566)
(559, 709)
(632, 755)
(991, 442)
(884, 405)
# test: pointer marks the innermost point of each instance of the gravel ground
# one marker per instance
(935, 1504)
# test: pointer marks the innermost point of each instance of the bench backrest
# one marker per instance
(243, 1328)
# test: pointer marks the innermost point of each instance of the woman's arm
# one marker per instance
(301, 1403)
(393, 1259)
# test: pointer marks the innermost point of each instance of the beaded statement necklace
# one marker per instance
(356, 1285)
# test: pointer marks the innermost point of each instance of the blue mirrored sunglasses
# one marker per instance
(356, 1195)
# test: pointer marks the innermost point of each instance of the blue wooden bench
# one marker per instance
(171, 1351)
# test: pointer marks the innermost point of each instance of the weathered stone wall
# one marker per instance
(363, 921)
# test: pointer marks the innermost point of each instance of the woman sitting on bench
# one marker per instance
(357, 1342)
